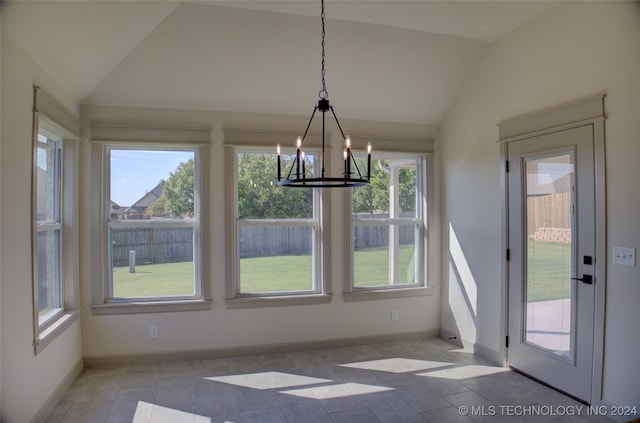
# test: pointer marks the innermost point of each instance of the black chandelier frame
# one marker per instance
(296, 176)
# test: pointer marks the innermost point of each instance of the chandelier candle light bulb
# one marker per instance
(347, 142)
(304, 171)
(298, 151)
(368, 161)
(279, 163)
(346, 160)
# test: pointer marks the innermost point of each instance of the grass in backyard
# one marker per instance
(293, 273)
(154, 280)
(371, 266)
(276, 274)
(259, 274)
(548, 271)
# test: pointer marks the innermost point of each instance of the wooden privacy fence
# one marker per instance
(262, 241)
(371, 236)
(549, 217)
(173, 245)
(152, 245)
(377, 236)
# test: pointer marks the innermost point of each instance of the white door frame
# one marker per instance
(589, 110)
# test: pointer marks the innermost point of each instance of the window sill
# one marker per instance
(386, 293)
(277, 301)
(135, 307)
(53, 331)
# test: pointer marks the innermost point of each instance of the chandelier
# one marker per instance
(297, 174)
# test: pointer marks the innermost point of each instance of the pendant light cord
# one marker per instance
(323, 93)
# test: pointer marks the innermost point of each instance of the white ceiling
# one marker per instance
(483, 20)
(386, 60)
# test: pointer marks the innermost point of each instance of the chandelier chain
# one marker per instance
(323, 93)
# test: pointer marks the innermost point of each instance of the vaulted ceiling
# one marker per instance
(390, 60)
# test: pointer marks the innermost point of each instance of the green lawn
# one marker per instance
(259, 274)
(549, 276)
(548, 271)
(154, 280)
(372, 266)
(272, 274)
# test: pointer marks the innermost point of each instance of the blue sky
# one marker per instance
(134, 172)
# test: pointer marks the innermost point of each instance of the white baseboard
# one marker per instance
(112, 360)
(478, 349)
(488, 354)
(48, 407)
(451, 337)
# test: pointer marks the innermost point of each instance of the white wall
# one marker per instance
(28, 381)
(574, 50)
(109, 336)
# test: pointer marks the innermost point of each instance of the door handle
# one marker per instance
(588, 279)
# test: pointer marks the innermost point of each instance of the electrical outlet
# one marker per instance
(625, 256)
(394, 315)
(153, 332)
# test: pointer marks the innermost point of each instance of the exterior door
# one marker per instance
(551, 238)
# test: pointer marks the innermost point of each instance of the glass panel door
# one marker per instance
(549, 256)
(551, 236)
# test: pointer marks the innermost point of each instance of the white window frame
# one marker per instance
(155, 224)
(55, 122)
(107, 137)
(427, 258)
(241, 141)
(53, 226)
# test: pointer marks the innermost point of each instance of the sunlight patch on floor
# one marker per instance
(397, 365)
(465, 372)
(268, 380)
(147, 413)
(336, 391)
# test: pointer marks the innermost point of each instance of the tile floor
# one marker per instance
(429, 380)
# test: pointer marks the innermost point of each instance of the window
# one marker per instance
(152, 224)
(49, 303)
(54, 205)
(275, 233)
(149, 252)
(388, 227)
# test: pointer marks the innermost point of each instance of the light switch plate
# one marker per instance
(625, 256)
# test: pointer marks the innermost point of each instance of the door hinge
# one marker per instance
(506, 341)
(508, 254)
(506, 166)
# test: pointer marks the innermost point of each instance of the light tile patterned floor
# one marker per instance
(427, 380)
